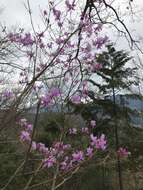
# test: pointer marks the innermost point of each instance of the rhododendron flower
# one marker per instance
(87, 49)
(96, 67)
(41, 147)
(22, 122)
(76, 99)
(66, 146)
(49, 162)
(60, 24)
(33, 146)
(100, 41)
(84, 130)
(123, 152)
(59, 41)
(73, 131)
(28, 127)
(55, 92)
(27, 40)
(46, 100)
(89, 151)
(61, 146)
(69, 5)
(99, 27)
(7, 94)
(78, 156)
(30, 54)
(64, 164)
(93, 123)
(99, 143)
(25, 136)
(57, 14)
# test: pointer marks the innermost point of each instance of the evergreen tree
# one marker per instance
(114, 76)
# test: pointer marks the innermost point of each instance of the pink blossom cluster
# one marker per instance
(48, 47)
(123, 152)
(25, 40)
(7, 94)
(57, 14)
(64, 153)
(48, 98)
(84, 89)
(98, 143)
(76, 99)
(84, 130)
(70, 5)
(93, 123)
(68, 47)
(75, 131)
(26, 130)
(100, 41)
(23, 78)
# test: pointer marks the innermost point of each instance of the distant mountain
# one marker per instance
(135, 103)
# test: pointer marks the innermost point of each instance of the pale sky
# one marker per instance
(15, 14)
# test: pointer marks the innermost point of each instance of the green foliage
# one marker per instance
(114, 72)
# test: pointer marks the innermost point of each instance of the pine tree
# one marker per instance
(115, 76)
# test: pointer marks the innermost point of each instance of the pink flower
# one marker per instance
(64, 164)
(96, 67)
(41, 147)
(59, 41)
(123, 152)
(98, 28)
(46, 100)
(49, 162)
(69, 5)
(98, 143)
(26, 40)
(7, 94)
(22, 122)
(93, 123)
(84, 130)
(100, 41)
(93, 140)
(30, 54)
(33, 146)
(88, 48)
(76, 99)
(55, 92)
(89, 151)
(60, 24)
(73, 131)
(25, 136)
(66, 147)
(57, 14)
(28, 127)
(78, 156)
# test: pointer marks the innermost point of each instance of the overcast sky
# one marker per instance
(15, 14)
